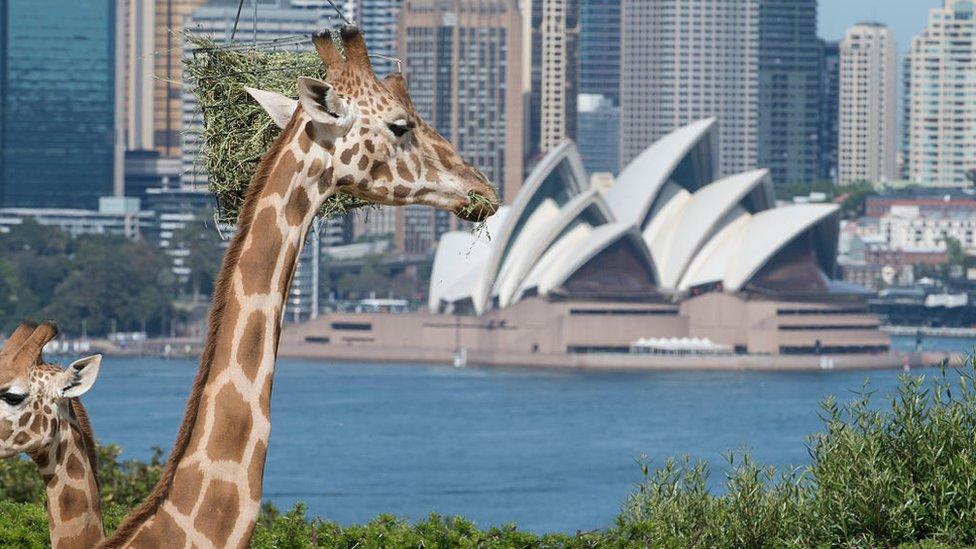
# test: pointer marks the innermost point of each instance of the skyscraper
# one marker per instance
(684, 61)
(598, 102)
(599, 130)
(868, 105)
(599, 51)
(463, 63)
(940, 97)
(60, 137)
(377, 19)
(829, 108)
(789, 89)
(168, 72)
(551, 36)
(138, 22)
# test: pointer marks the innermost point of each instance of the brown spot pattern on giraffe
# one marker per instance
(304, 139)
(346, 156)
(163, 531)
(222, 353)
(401, 191)
(255, 470)
(74, 467)
(219, 511)
(325, 180)
(404, 171)
(187, 481)
(297, 207)
(315, 168)
(232, 428)
(381, 172)
(257, 258)
(72, 503)
(279, 181)
(251, 347)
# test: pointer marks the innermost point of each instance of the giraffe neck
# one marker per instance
(74, 506)
(210, 493)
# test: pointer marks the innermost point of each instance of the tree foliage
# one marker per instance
(92, 280)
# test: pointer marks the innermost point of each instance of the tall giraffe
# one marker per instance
(41, 416)
(351, 133)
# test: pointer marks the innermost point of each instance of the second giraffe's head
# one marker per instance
(34, 396)
(380, 149)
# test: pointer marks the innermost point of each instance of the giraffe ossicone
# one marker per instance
(41, 416)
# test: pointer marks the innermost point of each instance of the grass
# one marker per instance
(236, 130)
(899, 473)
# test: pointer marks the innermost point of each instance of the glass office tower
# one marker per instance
(57, 103)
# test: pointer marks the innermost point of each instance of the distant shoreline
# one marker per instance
(192, 348)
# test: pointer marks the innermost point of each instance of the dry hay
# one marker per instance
(236, 130)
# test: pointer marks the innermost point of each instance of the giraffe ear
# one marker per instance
(324, 105)
(77, 378)
(279, 107)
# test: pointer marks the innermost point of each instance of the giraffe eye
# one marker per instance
(12, 399)
(400, 127)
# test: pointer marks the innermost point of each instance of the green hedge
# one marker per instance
(902, 473)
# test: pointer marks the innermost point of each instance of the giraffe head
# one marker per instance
(381, 150)
(34, 396)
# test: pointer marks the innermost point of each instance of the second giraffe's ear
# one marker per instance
(279, 107)
(77, 378)
(324, 105)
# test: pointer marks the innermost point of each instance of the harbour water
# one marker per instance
(549, 450)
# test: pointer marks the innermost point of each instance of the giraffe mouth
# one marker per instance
(478, 208)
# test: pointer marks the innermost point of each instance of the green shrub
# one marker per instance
(899, 474)
(122, 483)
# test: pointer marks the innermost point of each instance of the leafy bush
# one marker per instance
(122, 483)
(877, 477)
(903, 475)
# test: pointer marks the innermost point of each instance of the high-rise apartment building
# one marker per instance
(789, 89)
(940, 97)
(60, 104)
(829, 108)
(463, 63)
(550, 72)
(867, 136)
(688, 60)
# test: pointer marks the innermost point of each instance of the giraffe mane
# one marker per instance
(155, 499)
(80, 416)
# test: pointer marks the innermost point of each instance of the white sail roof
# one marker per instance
(698, 219)
(682, 230)
(523, 257)
(554, 181)
(638, 184)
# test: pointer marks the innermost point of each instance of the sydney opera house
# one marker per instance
(667, 254)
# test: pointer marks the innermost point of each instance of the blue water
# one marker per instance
(551, 451)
